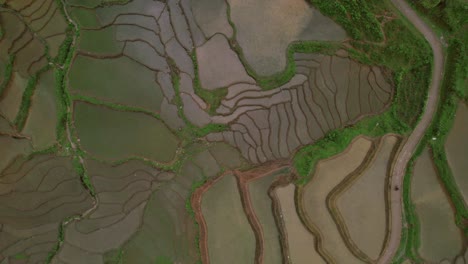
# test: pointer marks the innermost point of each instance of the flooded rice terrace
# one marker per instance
(148, 131)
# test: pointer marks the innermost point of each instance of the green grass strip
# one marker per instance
(7, 74)
(26, 99)
(412, 228)
(20, 119)
(56, 247)
(85, 180)
(63, 59)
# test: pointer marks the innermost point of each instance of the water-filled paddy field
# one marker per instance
(115, 135)
(150, 131)
(262, 204)
(293, 20)
(440, 237)
(362, 202)
(329, 173)
(230, 237)
(456, 148)
(300, 242)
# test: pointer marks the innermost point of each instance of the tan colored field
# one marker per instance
(457, 149)
(329, 173)
(230, 237)
(266, 27)
(362, 202)
(440, 237)
(262, 206)
(301, 243)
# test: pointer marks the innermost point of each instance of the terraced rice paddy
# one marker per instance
(31, 32)
(230, 237)
(301, 244)
(167, 230)
(440, 237)
(42, 121)
(35, 196)
(114, 135)
(100, 42)
(361, 203)
(262, 204)
(12, 149)
(313, 199)
(457, 149)
(11, 100)
(292, 21)
(123, 192)
(211, 16)
(114, 81)
(269, 125)
(219, 65)
(143, 132)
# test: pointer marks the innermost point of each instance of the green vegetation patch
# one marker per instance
(7, 73)
(450, 15)
(28, 93)
(356, 16)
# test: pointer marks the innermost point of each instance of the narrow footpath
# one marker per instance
(410, 145)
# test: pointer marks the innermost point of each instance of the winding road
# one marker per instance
(411, 143)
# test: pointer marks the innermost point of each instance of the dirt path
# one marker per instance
(407, 150)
